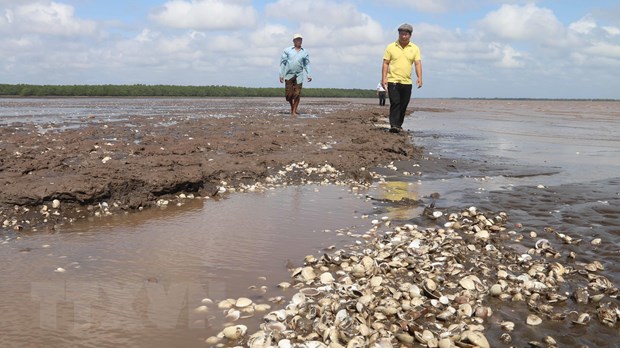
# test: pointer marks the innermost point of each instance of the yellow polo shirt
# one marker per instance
(401, 61)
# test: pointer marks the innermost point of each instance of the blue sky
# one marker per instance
(470, 48)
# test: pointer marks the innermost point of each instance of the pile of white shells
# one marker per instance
(432, 287)
(233, 310)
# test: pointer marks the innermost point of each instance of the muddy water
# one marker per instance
(136, 279)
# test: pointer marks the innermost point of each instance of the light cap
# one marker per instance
(406, 27)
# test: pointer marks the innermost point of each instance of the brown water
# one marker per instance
(135, 279)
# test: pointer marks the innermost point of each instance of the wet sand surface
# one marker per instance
(112, 275)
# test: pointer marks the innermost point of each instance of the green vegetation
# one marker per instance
(24, 90)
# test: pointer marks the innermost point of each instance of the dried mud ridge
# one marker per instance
(51, 174)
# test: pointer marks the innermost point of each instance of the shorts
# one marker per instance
(292, 89)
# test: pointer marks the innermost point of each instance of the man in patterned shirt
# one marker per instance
(294, 66)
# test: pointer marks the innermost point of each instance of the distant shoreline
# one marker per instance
(214, 91)
(139, 90)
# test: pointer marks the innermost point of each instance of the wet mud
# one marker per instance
(129, 164)
(544, 250)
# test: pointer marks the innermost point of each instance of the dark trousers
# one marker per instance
(381, 98)
(400, 95)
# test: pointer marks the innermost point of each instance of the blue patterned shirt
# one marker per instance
(294, 63)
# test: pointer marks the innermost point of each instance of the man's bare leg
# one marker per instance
(292, 102)
(294, 106)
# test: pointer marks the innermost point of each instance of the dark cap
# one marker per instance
(406, 27)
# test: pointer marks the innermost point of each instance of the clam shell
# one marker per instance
(476, 338)
(243, 302)
(233, 315)
(583, 319)
(376, 281)
(508, 325)
(327, 278)
(533, 320)
(262, 307)
(213, 340)
(424, 336)
(309, 291)
(235, 332)
(201, 309)
(298, 299)
(495, 290)
(307, 273)
(284, 285)
(227, 304)
(469, 282)
(465, 310)
(275, 326)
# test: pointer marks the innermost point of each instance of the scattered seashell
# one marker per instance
(233, 315)
(227, 304)
(308, 274)
(583, 319)
(284, 285)
(310, 291)
(213, 340)
(533, 320)
(243, 302)
(476, 338)
(201, 309)
(508, 325)
(262, 307)
(495, 290)
(327, 278)
(234, 333)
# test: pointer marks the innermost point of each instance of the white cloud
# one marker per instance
(328, 23)
(184, 44)
(206, 14)
(583, 26)
(471, 48)
(508, 56)
(45, 18)
(528, 22)
(603, 49)
(611, 31)
(431, 6)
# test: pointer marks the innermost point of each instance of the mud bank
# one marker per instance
(132, 162)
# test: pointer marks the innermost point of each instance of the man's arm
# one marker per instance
(307, 67)
(418, 72)
(283, 62)
(384, 72)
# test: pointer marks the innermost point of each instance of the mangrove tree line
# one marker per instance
(139, 90)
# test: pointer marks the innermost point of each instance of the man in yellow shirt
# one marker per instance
(398, 59)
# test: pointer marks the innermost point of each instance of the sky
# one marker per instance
(470, 48)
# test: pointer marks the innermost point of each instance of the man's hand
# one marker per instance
(419, 82)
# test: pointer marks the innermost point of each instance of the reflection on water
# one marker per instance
(136, 279)
(399, 191)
